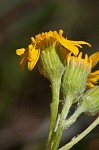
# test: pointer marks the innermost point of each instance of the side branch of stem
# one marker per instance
(80, 136)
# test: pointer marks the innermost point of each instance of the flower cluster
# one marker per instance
(70, 75)
(69, 51)
(44, 40)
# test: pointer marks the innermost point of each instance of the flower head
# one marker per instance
(75, 75)
(90, 100)
(30, 54)
(48, 38)
(78, 75)
(45, 40)
(93, 77)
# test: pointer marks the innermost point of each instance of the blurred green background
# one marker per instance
(25, 96)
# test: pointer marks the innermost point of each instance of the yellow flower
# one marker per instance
(77, 75)
(43, 41)
(89, 63)
(93, 76)
(31, 54)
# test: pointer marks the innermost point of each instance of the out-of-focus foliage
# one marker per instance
(25, 94)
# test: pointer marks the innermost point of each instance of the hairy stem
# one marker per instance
(74, 117)
(55, 85)
(80, 136)
(60, 127)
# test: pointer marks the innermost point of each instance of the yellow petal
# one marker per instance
(95, 59)
(93, 74)
(35, 58)
(92, 80)
(69, 57)
(80, 56)
(30, 47)
(36, 55)
(20, 51)
(60, 32)
(33, 54)
(90, 85)
(90, 62)
(86, 59)
(31, 65)
(23, 61)
(77, 43)
(68, 45)
(96, 76)
(64, 52)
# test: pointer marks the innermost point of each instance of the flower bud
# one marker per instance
(75, 75)
(90, 100)
(50, 64)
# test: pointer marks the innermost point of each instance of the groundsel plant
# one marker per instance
(72, 81)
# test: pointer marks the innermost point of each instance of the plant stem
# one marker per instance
(73, 118)
(60, 126)
(79, 137)
(55, 85)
